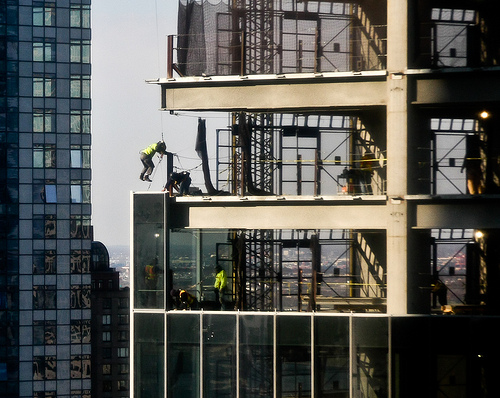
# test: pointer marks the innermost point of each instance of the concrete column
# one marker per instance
(397, 158)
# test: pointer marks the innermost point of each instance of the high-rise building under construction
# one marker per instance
(354, 205)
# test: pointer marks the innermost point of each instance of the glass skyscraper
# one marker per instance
(45, 210)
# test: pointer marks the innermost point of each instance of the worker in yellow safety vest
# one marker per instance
(147, 158)
(184, 300)
(220, 286)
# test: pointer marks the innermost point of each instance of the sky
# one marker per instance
(128, 48)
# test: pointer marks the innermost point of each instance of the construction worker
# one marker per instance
(147, 158)
(179, 181)
(366, 173)
(184, 300)
(151, 276)
(220, 286)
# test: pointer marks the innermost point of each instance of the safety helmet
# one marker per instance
(161, 146)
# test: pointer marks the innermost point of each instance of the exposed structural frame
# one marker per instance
(408, 91)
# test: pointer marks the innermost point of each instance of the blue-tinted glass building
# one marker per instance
(45, 206)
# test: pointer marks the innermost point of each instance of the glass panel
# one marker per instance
(412, 356)
(148, 251)
(219, 356)
(149, 356)
(183, 355)
(86, 158)
(193, 256)
(76, 158)
(332, 356)
(75, 51)
(50, 194)
(294, 356)
(38, 52)
(256, 356)
(370, 372)
(86, 122)
(75, 87)
(75, 122)
(76, 194)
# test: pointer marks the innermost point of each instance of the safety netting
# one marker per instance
(278, 36)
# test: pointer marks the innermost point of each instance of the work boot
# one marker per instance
(141, 177)
(147, 179)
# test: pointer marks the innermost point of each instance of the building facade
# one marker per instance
(45, 206)
(110, 328)
(354, 208)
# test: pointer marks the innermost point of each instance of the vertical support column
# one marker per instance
(397, 167)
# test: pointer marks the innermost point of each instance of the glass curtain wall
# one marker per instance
(149, 252)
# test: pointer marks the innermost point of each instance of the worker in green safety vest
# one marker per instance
(220, 286)
(147, 158)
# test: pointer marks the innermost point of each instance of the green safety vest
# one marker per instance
(150, 150)
(220, 280)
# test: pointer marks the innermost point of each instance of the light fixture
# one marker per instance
(484, 115)
(478, 234)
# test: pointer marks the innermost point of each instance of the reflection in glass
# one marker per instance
(256, 356)
(149, 251)
(294, 356)
(331, 356)
(219, 356)
(149, 356)
(371, 355)
(183, 355)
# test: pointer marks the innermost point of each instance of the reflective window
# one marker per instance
(44, 14)
(80, 51)
(106, 336)
(80, 261)
(80, 16)
(44, 50)
(193, 257)
(80, 226)
(80, 86)
(219, 356)
(294, 356)
(122, 352)
(149, 251)
(44, 86)
(44, 191)
(44, 156)
(44, 368)
(44, 121)
(80, 122)
(44, 262)
(149, 354)
(371, 350)
(106, 319)
(184, 355)
(80, 296)
(80, 157)
(106, 369)
(44, 297)
(80, 331)
(256, 356)
(122, 385)
(332, 356)
(76, 193)
(80, 367)
(44, 332)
